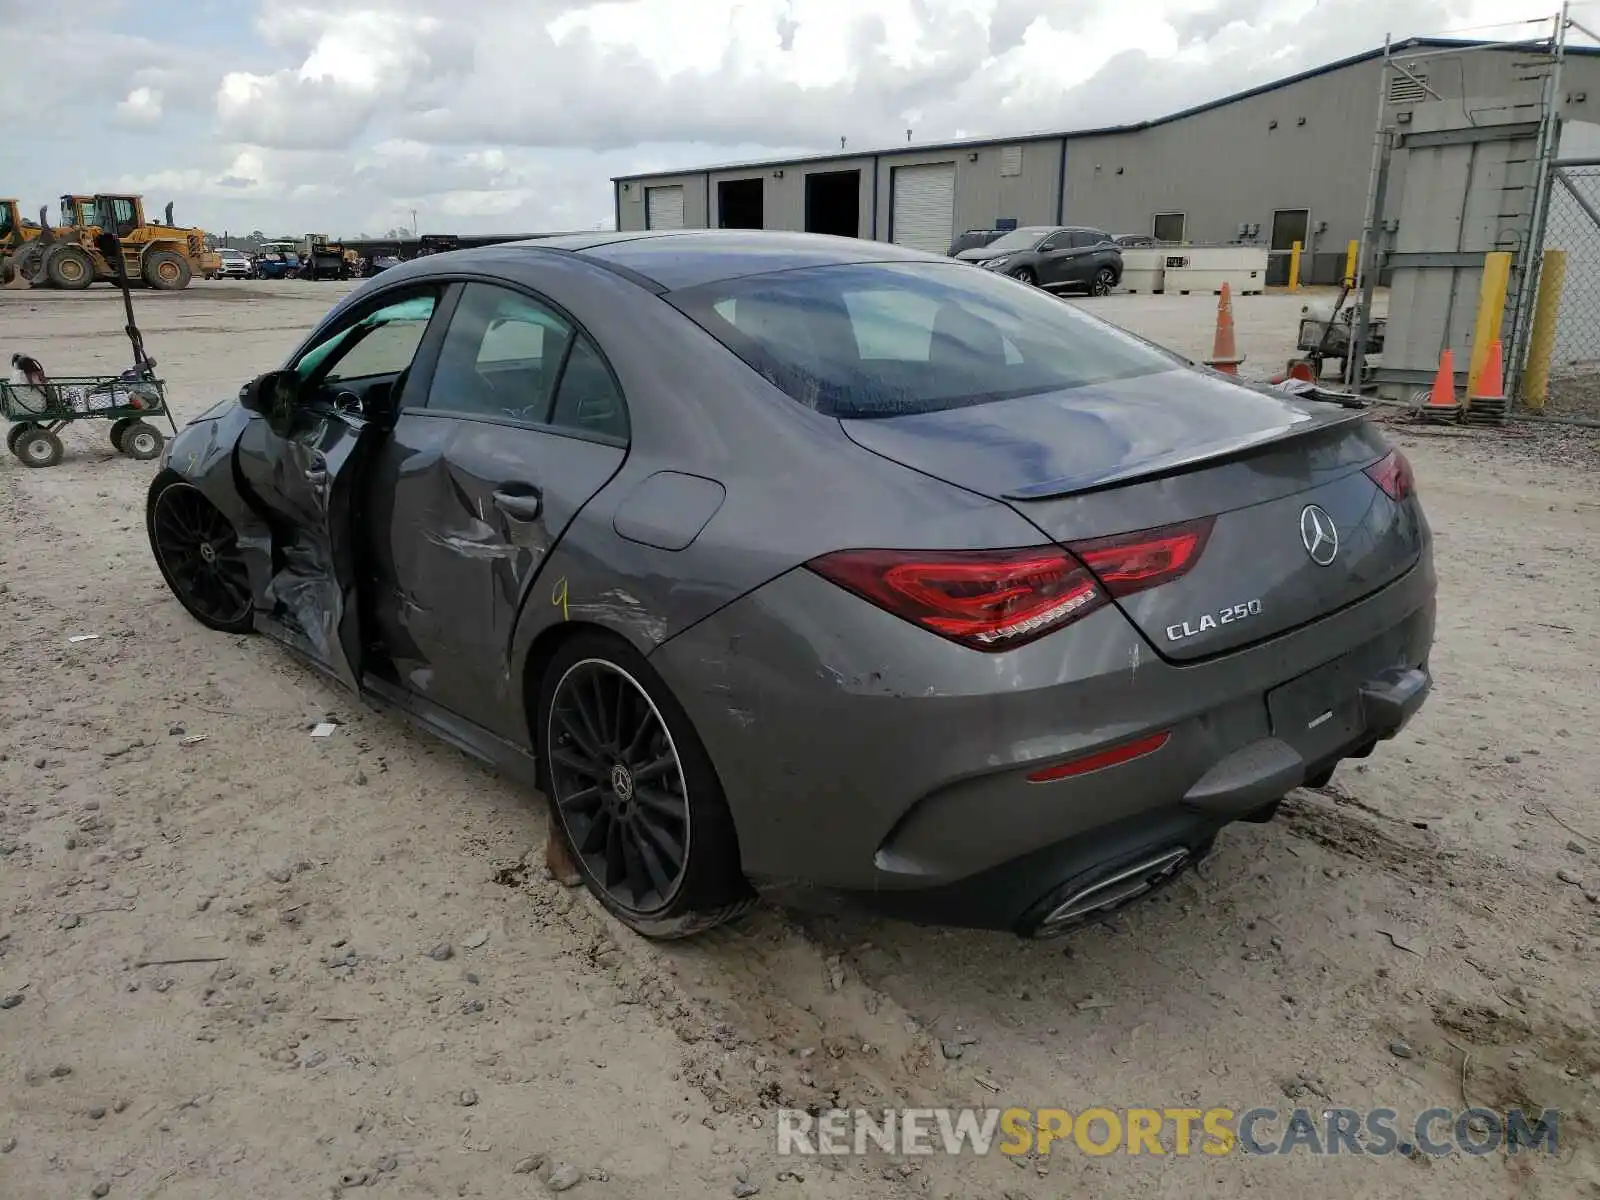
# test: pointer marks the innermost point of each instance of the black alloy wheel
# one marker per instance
(633, 791)
(619, 785)
(1025, 275)
(1104, 280)
(198, 552)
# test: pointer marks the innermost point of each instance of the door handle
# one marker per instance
(520, 506)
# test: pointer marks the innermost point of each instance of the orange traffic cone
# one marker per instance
(1225, 356)
(1442, 403)
(1489, 403)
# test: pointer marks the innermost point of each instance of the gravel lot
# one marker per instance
(263, 965)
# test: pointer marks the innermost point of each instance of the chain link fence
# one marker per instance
(1573, 225)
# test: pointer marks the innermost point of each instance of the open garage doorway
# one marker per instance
(833, 203)
(740, 204)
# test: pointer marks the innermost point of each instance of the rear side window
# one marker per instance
(888, 339)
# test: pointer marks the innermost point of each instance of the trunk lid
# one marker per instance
(1276, 476)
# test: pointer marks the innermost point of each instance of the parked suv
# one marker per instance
(972, 239)
(235, 265)
(1057, 257)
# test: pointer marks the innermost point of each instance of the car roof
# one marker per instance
(683, 258)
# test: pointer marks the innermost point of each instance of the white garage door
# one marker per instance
(664, 208)
(925, 206)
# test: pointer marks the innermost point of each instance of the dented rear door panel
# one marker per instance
(474, 508)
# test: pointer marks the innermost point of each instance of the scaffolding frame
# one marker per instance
(1369, 262)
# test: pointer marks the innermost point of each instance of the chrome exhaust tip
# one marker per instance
(1113, 892)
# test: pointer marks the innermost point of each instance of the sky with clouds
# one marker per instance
(347, 116)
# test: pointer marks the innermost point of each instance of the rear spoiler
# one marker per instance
(1177, 462)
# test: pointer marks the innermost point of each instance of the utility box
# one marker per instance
(1468, 172)
(1143, 269)
(1206, 268)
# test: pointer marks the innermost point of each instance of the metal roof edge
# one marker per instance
(1413, 43)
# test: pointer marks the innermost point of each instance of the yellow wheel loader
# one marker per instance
(163, 256)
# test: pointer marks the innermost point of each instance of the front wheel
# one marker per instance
(197, 550)
(634, 793)
(69, 267)
(1025, 275)
(166, 270)
(16, 433)
(1104, 280)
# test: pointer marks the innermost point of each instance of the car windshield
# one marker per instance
(888, 339)
(1022, 239)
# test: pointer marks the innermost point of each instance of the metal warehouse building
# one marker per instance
(1289, 161)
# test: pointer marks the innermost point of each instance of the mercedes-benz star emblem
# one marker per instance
(1319, 534)
(622, 782)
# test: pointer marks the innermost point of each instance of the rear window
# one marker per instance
(888, 339)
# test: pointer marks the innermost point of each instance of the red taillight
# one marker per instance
(1101, 759)
(1133, 562)
(1393, 474)
(986, 599)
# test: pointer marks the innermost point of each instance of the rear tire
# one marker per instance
(1104, 280)
(142, 441)
(119, 427)
(166, 270)
(633, 792)
(70, 268)
(38, 448)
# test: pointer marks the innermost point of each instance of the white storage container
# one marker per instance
(1207, 268)
(1143, 268)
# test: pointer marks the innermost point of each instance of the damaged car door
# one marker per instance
(323, 415)
(522, 423)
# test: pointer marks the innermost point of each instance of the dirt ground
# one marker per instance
(251, 963)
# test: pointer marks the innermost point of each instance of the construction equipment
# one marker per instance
(322, 259)
(22, 245)
(164, 256)
(1330, 332)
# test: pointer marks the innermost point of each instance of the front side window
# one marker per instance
(382, 343)
(886, 339)
(500, 357)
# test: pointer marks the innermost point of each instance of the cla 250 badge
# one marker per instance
(1236, 612)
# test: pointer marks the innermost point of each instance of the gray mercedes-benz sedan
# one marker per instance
(815, 566)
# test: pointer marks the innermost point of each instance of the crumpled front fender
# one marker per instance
(202, 454)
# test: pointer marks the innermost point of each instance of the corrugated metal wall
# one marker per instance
(1221, 168)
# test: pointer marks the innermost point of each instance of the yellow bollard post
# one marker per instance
(1542, 338)
(1350, 264)
(1294, 267)
(1491, 312)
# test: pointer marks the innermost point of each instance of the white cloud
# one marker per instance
(141, 107)
(485, 114)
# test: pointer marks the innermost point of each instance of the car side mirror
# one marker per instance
(274, 395)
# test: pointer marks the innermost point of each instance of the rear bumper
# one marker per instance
(863, 757)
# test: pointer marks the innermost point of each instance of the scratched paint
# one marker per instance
(480, 542)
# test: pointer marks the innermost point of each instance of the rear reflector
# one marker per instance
(1134, 562)
(1101, 759)
(1393, 474)
(986, 599)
